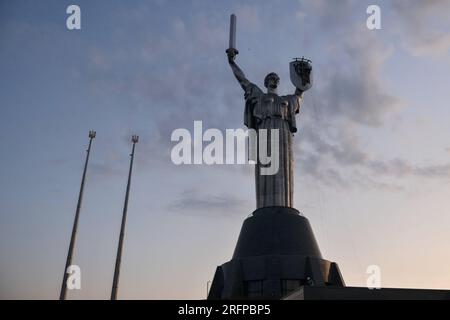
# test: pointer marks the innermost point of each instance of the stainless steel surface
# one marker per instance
(268, 110)
(232, 42)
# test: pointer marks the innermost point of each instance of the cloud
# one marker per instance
(106, 170)
(433, 45)
(203, 203)
(401, 168)
(249, 17)
(423, 26)
(345, 163)
(349, 82)
(349, 94)
(180, 75)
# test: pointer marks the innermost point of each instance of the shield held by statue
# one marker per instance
(301, 73)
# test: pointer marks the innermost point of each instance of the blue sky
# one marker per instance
(372, 152)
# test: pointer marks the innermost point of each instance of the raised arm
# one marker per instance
(238, 73)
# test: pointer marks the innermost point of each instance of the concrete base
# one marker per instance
(358, 293)
(276, 254)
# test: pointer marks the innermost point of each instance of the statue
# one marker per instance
(271, 111)
(276, 252)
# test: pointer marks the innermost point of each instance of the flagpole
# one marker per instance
(62, 295)
(115, 286)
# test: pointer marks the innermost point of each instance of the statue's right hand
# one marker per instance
(231, 53)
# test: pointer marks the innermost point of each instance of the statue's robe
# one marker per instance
(270, 111)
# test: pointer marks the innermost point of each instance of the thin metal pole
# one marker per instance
(62, 295)
(115, 285)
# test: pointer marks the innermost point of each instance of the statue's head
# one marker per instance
(271, 81)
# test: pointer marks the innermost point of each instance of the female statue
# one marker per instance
(271, 111)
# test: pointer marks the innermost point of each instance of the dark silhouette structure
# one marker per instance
(276, 253)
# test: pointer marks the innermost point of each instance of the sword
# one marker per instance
(232, 42)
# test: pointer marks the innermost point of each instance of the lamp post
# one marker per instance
(62, 295)
(115, 286)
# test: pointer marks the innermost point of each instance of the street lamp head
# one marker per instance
(92, 134)
(134, 138)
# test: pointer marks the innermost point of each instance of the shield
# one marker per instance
(301, 73)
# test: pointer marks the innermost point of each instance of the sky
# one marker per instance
(372, 153)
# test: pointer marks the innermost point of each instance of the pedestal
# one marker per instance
(275, 255)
